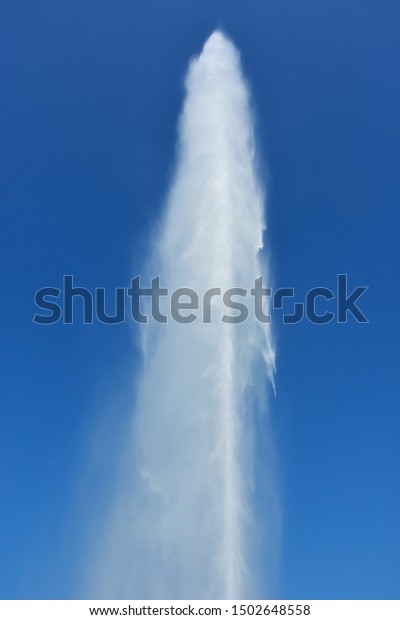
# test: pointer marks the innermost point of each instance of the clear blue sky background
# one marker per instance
(90, 96)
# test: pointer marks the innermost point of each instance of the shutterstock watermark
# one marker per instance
(320, 305)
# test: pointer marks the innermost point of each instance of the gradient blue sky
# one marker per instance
(91, 92)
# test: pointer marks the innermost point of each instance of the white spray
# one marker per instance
(180, 528)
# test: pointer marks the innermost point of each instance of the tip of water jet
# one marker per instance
(216, 35)
(217, 39)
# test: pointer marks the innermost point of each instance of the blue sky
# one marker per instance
(90, 100)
